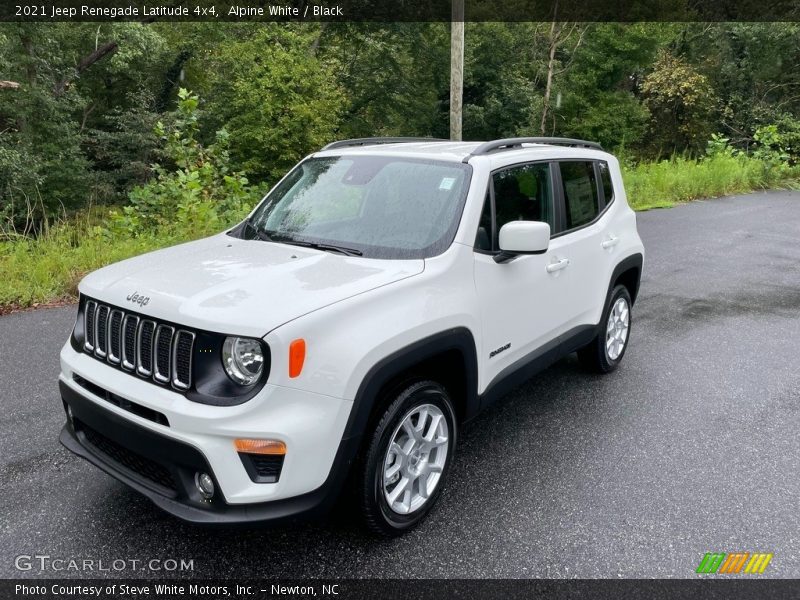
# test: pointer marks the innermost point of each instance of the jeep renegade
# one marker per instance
(383, 293)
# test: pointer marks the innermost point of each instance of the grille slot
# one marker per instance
(163, 356)
(101, 325)
(144, 348)
(182, 359)
(114, 336)
(129, 327)
(142, 466)
(158, 351)
(88, 344)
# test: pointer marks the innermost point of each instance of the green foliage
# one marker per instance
(499, 95)
(779, 142)
(667, 182)
(201, 194)
(680, 101)
(600, 99)
(276, 98)
(754, 69)
(615, 119)
(719, 145)
(123, 145)
(45, 119)
(49, 268)
(394, 77)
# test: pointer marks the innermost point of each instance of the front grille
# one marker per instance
(129, 459)
(152, 350)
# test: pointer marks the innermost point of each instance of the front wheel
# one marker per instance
(604, 353)
(407, 458)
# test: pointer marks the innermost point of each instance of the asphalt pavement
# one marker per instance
(691, 446)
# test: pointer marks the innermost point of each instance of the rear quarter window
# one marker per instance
(605, 179)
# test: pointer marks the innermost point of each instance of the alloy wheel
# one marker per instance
(415, 458)
(617, 328)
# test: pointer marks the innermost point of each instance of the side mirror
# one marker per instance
(522, 237)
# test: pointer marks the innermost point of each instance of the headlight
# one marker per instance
(243, 359)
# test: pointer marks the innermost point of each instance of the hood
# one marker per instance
(236, 286)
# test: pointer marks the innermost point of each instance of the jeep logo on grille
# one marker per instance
(136, 298)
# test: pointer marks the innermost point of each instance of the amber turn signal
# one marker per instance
(260, 447)
(297, 355)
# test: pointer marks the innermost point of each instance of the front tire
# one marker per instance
(407, 458)
(604, 353)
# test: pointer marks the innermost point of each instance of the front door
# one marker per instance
(524, 302)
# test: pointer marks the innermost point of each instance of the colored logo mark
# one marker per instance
(720, 562)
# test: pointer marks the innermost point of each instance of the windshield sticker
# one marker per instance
(447, 183)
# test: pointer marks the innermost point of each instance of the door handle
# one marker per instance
(610, 242)
(558, 265)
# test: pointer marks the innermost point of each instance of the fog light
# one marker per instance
(204, 484)
(69, 414)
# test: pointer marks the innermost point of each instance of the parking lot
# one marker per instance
(692, 446)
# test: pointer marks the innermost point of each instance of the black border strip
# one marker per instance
(628, 11)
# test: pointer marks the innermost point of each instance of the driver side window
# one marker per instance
(521, 193)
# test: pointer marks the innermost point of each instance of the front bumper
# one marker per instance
(119, 440)
(160, 459)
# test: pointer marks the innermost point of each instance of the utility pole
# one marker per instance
(456, 68)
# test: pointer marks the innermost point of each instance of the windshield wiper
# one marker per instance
(317, 245)
(326, 247)
(287, 239)
(260, 233)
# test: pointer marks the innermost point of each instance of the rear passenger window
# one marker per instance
(605, 178)
(580, 193)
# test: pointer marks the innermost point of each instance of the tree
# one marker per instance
(558, 35)
(66, 75)
(600, 99)
(276, 98)
(681, 102)
(394, 77)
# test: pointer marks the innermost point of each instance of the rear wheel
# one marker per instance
(604, 353)
(407, 458)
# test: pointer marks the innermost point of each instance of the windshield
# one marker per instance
(374, 206)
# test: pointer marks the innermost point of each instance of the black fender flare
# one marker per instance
(634, 260)
(389, 367)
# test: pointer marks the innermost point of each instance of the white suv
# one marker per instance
(383, 293)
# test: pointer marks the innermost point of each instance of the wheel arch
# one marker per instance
(448, 357)
(628, 273)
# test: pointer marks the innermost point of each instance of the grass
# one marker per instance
(47, 269)
(670, 182)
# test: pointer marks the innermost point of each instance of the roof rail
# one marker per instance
(372, 141)
(509, 143)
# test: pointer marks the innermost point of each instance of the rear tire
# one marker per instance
(407, 459)
(604, 353)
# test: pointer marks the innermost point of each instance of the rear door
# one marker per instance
(585, 236)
